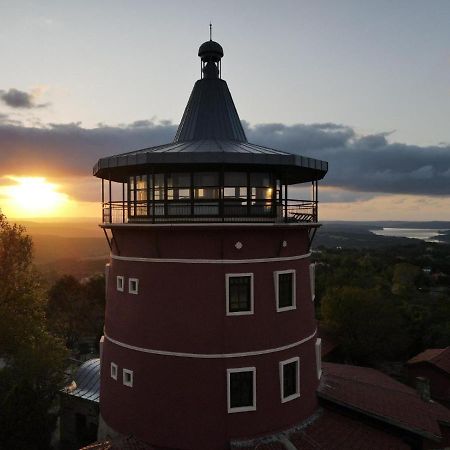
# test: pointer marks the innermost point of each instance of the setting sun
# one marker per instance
(34, 197)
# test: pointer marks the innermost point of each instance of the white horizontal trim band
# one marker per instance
(209, 261)
(211, 355)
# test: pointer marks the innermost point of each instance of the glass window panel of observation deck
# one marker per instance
(158, 186)
(179, 194)
(138, 195)
(261, 186)
(159, 194)
(206, 185)
(131, 196)
(235, 180)
(261, 193)
(179, 186)
(235, 193)
(206, 193)
(141, 195)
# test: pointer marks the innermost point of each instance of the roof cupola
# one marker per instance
(210, 172)
(211, 53)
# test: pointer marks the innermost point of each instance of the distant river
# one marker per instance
(426, 234)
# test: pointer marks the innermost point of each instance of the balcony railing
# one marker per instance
(225, 210)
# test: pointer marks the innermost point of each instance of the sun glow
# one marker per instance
(34, 197)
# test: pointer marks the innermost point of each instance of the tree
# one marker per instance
(403, 280)
(32, 359)
(367, 325)
(76, 309)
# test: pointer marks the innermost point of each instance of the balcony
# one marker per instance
(209, 211)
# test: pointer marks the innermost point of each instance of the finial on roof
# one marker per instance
(210, 53)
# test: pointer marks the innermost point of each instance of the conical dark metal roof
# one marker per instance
(210, 114)
(210, 136)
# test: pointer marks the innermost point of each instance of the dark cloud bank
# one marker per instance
(19, 99)
(357, 163)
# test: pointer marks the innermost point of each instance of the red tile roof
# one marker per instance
(334, 431)
(374, 394)
(439, 357)
(327, 430)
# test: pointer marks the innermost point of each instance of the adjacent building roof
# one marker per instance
(86, 383)
(438, 357)
(334, 431)
(327, 430)
(376, 395)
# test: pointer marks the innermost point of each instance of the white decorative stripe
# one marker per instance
(209, 261)
(211, 355)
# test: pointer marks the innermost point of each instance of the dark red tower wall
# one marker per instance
(178, 340)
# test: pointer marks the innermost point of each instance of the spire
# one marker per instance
(210, 31)
(210, 112)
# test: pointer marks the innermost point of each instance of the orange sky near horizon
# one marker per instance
(36, 197)
(42, 199)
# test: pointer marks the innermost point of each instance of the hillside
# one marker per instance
(80, 248)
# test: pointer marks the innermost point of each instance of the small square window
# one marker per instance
(114, 371)
(120, 283)
(285, 290)
(241, 385)
(290, 379)
(239, 293)
(133, 285)
(128, 377)
(319, 357)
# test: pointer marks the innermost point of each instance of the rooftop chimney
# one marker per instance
(423, 388)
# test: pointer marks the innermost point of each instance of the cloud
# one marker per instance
(358, 165)
(71, 149)
(363, 163)
(20, 99)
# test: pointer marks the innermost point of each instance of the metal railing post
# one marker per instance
(285, 202)
(103, 200)
(123, 202)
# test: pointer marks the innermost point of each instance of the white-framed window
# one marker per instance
(120, 283)
(239, 294)
(312, 279)
(114, 371)
(285, 288)
(290, 379)
(241, 389)
(127, 377)
(319, 357)
(133, 285)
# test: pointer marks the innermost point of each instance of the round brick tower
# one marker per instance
(210, 334)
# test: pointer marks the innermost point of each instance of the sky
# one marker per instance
(363, 85)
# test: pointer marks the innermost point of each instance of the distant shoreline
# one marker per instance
(424, 234)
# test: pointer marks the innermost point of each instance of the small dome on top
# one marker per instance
(210, 51)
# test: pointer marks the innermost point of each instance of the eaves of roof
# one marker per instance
(376, 395)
